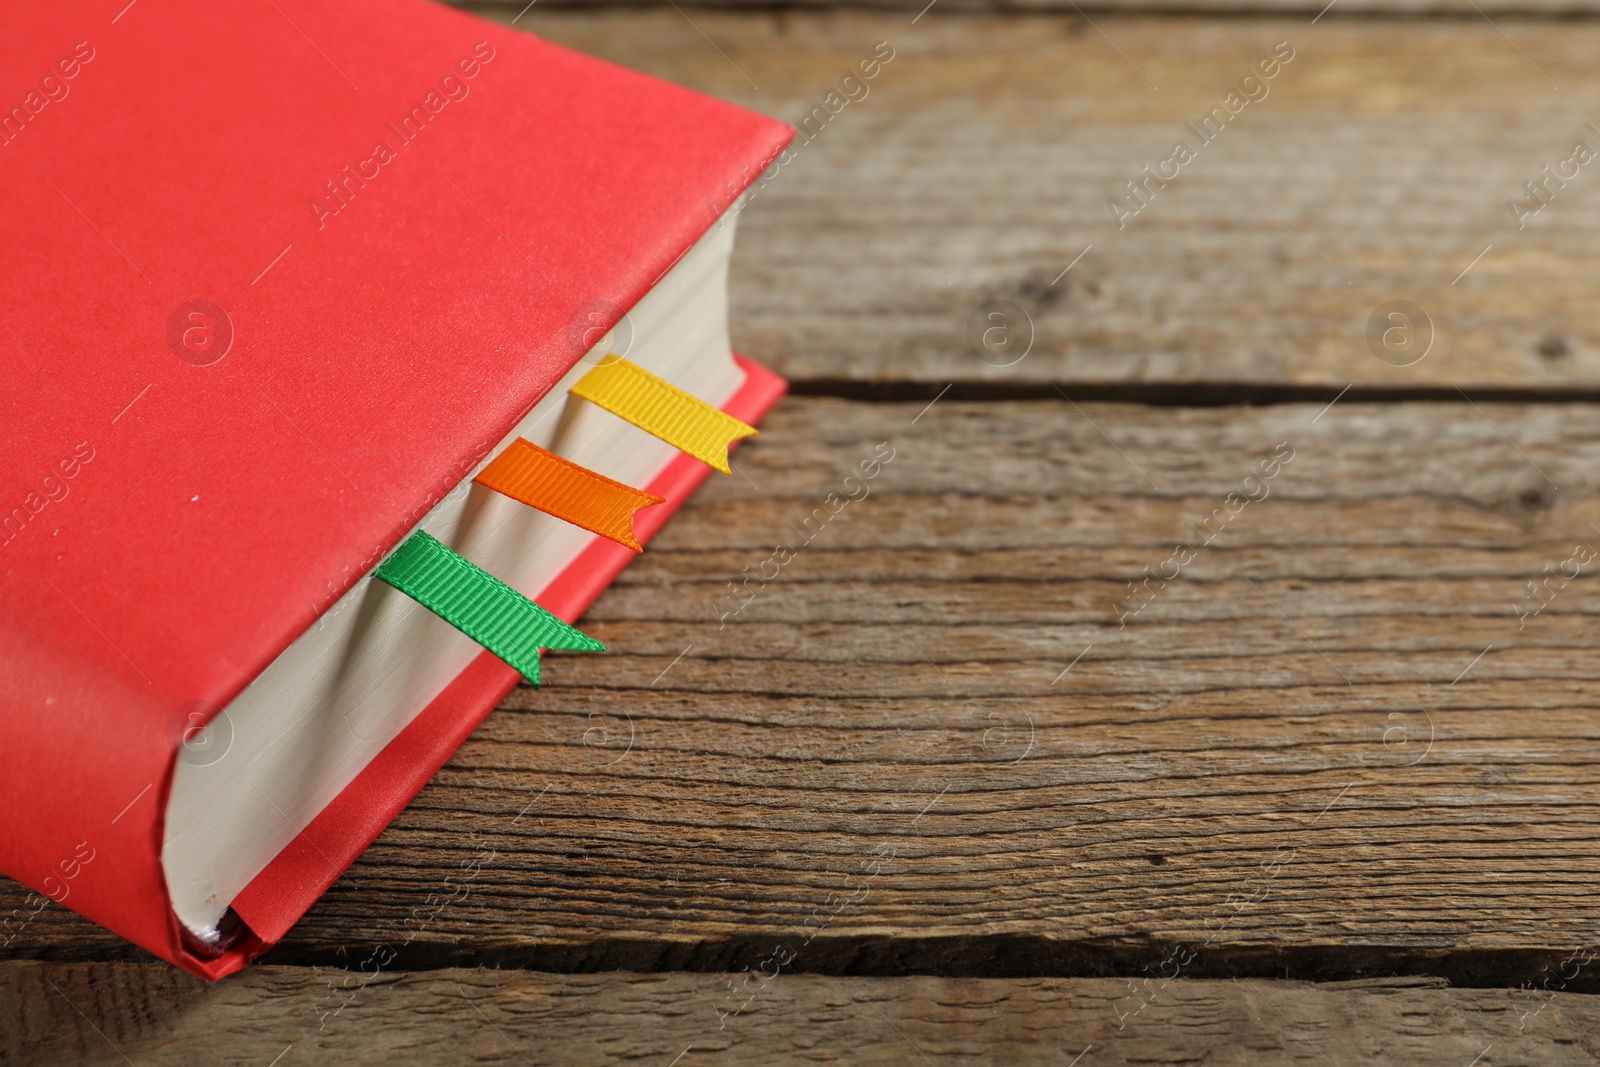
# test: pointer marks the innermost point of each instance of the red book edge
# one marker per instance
(285, 890)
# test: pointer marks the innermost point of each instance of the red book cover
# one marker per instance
(276, 275)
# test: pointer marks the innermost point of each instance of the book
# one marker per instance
(294, 289)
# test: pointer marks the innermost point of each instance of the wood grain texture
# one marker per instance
(985, 155)
(939, 775)
(97, 1014)
(1293, 759)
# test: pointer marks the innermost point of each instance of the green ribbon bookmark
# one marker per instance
(478, 604)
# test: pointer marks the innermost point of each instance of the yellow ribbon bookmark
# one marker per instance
(559, 487)
(682, 420)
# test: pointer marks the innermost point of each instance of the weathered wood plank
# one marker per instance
(1382, 162)
(1297, 756)
(154, 1015)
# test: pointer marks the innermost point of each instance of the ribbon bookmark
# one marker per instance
(478, 604)
(681, 419)
(556, 486)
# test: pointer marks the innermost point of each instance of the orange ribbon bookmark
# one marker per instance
(660, 408)
(541, 479)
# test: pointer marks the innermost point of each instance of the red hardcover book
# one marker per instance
(279, 278)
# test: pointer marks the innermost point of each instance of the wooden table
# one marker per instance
(1082, 739)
